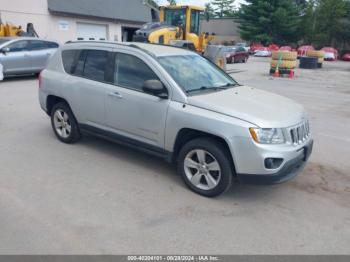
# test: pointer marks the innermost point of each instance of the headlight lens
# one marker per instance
(267, 135)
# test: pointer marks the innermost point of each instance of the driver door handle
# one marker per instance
(116, 95)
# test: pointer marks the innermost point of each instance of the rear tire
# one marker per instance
(64, 124)
(205, 167)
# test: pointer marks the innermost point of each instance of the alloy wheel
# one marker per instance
(202, 169)
(62, 124)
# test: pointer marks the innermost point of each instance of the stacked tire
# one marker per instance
(317, 54)
(284, 60)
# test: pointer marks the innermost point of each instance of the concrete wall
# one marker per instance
(48, 26)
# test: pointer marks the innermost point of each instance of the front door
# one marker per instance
(130, 111)
(17, 60)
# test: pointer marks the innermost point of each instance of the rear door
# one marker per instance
(17, 60)
(89, 85)
(39, 53)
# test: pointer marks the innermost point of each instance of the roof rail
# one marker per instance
(125, 44)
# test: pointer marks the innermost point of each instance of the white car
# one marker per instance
(263, 53)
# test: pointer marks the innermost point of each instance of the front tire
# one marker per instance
(205, 167)
(64, 124)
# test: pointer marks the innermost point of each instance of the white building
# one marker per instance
(65, 20)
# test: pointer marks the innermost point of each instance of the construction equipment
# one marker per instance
(180, 23)
(176, 23)
(10, 30)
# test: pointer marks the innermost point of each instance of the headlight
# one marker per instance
(267, 135)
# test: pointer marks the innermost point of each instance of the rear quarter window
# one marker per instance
(69, 58)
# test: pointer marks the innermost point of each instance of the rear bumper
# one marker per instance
(290, 170)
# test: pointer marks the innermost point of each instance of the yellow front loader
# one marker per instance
(179, 22)
(8, 30)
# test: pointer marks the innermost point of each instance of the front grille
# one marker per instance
(300, 133)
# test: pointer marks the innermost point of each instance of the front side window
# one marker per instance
(18, 46)
(195, 73)
(195, 16)
(132, 72)
(95, 64)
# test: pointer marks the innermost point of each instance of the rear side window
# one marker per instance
(37, 45)
(132, 72)
(95, 64)
(51, 45)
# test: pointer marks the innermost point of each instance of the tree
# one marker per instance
(223, 8)
(209, 11)
(269, 21)
(329, 21)
(326, 22)
(172, 2)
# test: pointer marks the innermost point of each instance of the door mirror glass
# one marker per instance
(155, 87)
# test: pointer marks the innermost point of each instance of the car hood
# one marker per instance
(264, 109)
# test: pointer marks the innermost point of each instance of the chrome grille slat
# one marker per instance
(299, 133)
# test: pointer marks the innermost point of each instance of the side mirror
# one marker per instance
(155, 87)
(5, 50)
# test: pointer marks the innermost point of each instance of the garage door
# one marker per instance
(91, 31)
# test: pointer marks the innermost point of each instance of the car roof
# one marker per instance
(22, 38)
(153, 49)
(18, 38)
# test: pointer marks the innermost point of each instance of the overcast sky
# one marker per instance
(195, 2)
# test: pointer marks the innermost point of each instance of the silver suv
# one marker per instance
(175, 104)
(25, 55)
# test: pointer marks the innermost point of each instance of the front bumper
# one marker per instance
(289, 170)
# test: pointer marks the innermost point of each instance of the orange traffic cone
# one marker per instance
(277, 73)
(291, 74)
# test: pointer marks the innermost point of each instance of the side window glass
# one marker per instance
(79, 62)
(95, 64)
(18, 46)
(195, 16)
(68, 58)
(51, 45)
(37, 45)
(132, 72)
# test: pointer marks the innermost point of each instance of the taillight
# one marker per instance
(40, 79)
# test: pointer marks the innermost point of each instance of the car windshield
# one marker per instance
(194, 73)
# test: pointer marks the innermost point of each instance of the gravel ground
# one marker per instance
(96, 197)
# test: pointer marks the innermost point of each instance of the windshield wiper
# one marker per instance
(215, 88)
